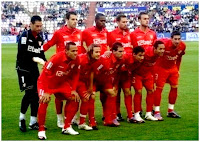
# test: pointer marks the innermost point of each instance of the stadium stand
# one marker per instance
(16, 15)
(162, 19)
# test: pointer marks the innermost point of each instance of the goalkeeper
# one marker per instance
(28, 56)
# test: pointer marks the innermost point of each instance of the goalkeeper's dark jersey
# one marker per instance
(29, 47)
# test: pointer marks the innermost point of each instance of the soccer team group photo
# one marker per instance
(100, 70)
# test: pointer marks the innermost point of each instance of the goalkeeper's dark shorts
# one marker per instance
(26, 79)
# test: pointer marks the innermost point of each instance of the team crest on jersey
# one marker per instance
(118, 38)
(151, 36)
(128, 37)
(94, 34)
(105, 34)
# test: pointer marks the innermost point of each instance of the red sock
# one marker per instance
(59, 105)
(113, 109)
(118, 100)
(141, 102)
(83, 111)
(149, 102)
(103, 101)
(128, 103)
(157, 96)
(109, 106)
(91, 112)
(170, 110)
(42, 111)
(71, 108)
(173, 95)
(137, 102)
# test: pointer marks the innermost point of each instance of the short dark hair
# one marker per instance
(91, 48)
(116, 45)
(175, 33)
(120, 16)
(67, 16)
(35, 18)
(142, 13)
(138, 49)
(98, 15)
(157, 43)
(69, 44)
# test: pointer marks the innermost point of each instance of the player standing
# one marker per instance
(96, 34)
(122, 34)
(167, 70)
(143, 36)
(68, 33)
(29, 54)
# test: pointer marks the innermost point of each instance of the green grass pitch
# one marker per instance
(185, 128)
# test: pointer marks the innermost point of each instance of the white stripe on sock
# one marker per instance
(171, 106)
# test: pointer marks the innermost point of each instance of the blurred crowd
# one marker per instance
(16, 15)
(162, 19)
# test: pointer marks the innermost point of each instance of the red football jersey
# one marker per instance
(120, 36)
(93, 35)
(172, 55)
(147, 65)
(108, 67)
(58, 70)
(130, 63)
(87, 65)
(140, 38)
(62, 36)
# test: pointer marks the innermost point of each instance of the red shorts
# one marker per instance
(81, 89)
(103, 84)
(125, 80)
(166, 76)
(139, 81)
(63, 92)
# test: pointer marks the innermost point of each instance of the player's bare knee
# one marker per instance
(72, 98)
(92, 96)
(84, 100)
(112, 93)
(159, 87)
(150, 91)
(127, 92)
(174, 86)
(138, 92)
(109, 92)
